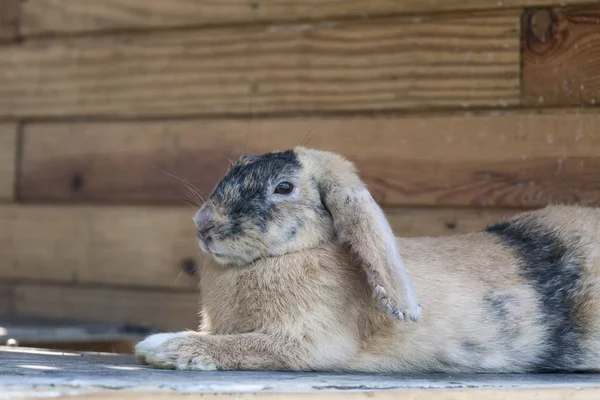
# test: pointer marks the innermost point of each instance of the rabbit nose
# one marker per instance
(206, 231)
(204, 221)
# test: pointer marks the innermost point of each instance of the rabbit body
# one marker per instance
(521, 296)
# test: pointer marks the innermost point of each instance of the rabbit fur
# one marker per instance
(315, 280)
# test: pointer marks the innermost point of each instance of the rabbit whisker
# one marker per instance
(197, 193)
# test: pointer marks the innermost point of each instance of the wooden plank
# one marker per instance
(512, 160)
(25, 373)
(8, 155)
(149, 247)
(561, 56)
(70, 334)
(120, 347)
(450, 394)
(399, 63)
(6, 300)
(417, 222)
(127, 246)
(43, 17)
(9, 20)
(155, 309)
(28, 330)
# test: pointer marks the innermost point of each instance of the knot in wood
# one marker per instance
(540, 25)
(545, 31)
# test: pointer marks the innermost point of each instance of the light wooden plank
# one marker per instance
(418, 222)
(155, 309)
(145, 246)
(512, 160)
(129, 246)
(8, 160)
(399, 63)
(43, 17)
(9, 20)
(561, 56)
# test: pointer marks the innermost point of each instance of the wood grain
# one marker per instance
(150, 246)
(44, 17)
(469, 60)
(504, 160)
(419, 222)
(561, 56)
(126, 246)
(9, 20)
(155, 309)
(8, 161)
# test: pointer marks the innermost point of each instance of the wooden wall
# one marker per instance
(457, 112)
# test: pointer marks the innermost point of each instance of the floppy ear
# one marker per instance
(360, 223)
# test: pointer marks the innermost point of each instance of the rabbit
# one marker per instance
(303, 273)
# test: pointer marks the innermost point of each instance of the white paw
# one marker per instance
(179, 350)
(413, 314)
(154, 342)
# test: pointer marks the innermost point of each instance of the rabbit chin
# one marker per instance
(225, 259)
(221, 256)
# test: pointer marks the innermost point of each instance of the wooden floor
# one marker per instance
(35, 373)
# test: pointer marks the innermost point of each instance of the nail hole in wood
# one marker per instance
(77, 182)
(189, 266)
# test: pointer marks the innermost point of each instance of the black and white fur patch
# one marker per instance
(554, 269)
(243, 190)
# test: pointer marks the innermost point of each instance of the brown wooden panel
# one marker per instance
(160, 310)
(6, 300)
(120, 347)
(9, 20)
(418, 222)
(513, 160)
(128, 246)
(561, 57)
(140, 246)
(399, 63)
(42, 17)
(8, 153)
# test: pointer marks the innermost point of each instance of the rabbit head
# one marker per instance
(281, 202)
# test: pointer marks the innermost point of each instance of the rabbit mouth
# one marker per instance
(215, 249)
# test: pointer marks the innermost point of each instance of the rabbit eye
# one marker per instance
(284, 188)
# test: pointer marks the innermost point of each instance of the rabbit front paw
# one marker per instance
(401, 314)
(181, 351)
